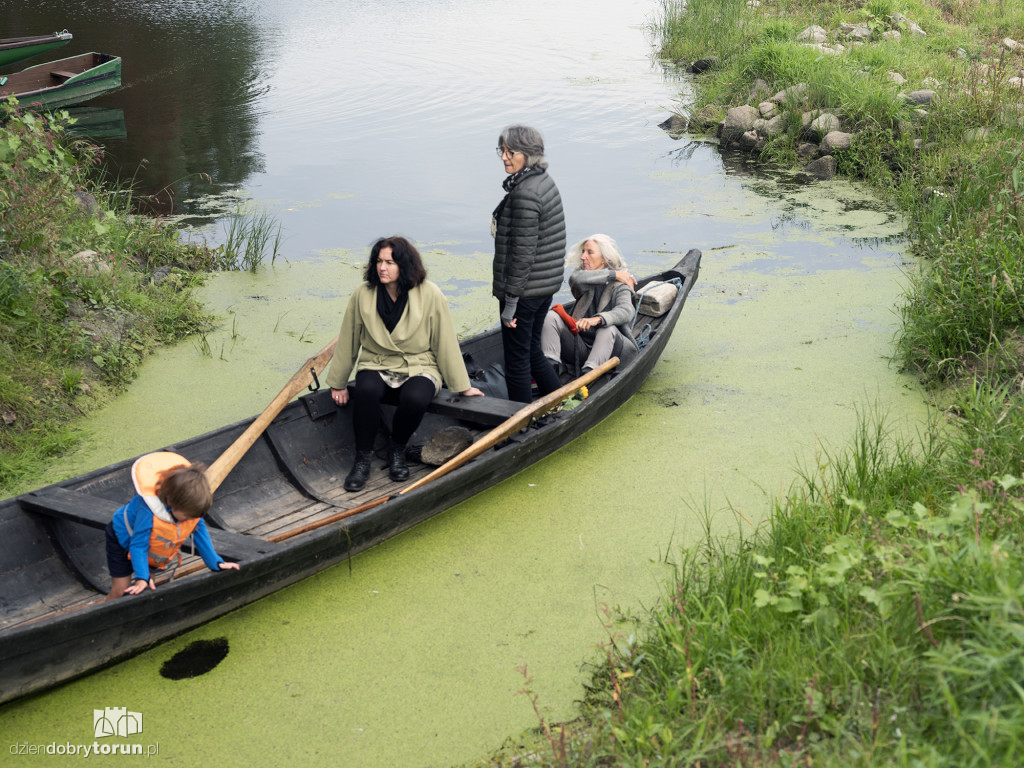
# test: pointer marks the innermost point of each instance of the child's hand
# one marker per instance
(140, 586)
(224, 566)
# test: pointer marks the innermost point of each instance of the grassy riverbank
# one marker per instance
(87, 288)
(878, 618)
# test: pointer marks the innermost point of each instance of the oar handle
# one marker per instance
(302, 378)
(513, 424)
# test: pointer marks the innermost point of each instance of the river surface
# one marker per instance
(350, 119)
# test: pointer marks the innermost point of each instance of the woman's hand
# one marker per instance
(226, 566)
(510, 324)
(139, 586)
(623, 276)
(586, 323)
(472, 392)
(339, 396)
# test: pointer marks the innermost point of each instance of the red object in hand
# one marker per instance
(567, 317)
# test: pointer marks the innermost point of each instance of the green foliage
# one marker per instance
(250, 235)
(79, 307)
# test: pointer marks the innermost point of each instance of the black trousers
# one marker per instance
(370, 390)
(524, 355)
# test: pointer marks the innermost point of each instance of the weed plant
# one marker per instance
(249, 238)
(79, 306)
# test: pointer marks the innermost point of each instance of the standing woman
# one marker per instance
(529, 245)
(398, 325)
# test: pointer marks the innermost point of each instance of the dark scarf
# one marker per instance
(509, 182)
(390, 311)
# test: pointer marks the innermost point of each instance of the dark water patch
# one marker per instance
(195, 659)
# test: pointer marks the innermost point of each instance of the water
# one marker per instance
(348, 120)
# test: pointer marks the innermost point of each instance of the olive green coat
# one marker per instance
(423, 342)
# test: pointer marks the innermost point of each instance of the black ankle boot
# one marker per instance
(360, 471)
(398, 470)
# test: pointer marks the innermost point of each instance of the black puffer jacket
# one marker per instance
(529, 244)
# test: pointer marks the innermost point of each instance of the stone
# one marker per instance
(703, 65)
(738, 120)
(767, 110)
(891, 34)
(814, 34)
(835, 141)
(674, 124)
(860, 32)
(977, 134)
(823, 168)
(896, 77)
(1012, 45)
(88, 204)
(824, 124)
(902, 21)
(760, 91)
(930, 82)
(775, 127)
(160, 274)
(751, 141)
(792, 95)
(806, 150)
(445, 444)
(922, 97)
(92, 263)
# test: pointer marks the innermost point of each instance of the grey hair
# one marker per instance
(609, 251)
(523, 138)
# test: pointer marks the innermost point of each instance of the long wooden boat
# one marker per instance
(15, 49)
(63, 82)
(281, 512)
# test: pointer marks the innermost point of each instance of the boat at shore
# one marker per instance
(63, 82)
(279, 507)
(15, 49)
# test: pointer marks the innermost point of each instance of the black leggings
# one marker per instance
(412, 399)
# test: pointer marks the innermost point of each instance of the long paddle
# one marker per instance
(510, 426)
(302, 379)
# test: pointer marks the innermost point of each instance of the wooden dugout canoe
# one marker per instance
(15, 49)
(63, 82)
(270, 513)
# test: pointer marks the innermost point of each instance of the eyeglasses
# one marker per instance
(500, 152)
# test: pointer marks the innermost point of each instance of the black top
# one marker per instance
(390, 311)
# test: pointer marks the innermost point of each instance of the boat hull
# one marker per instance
(64, 82)
(15, 49)
(297, 465)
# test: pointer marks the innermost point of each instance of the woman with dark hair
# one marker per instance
(529, 244)
(398, 325)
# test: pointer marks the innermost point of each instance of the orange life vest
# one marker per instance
(167, 537)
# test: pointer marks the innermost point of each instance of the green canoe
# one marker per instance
(14, 49)
(63, 82)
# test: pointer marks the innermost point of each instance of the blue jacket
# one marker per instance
(140, 518)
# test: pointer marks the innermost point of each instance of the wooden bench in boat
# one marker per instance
(488, 410)
(62, 74)
(96, 512)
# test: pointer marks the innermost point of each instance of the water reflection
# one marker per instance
(97, 123)
(192, 76)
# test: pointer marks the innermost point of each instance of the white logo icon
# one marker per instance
(115, 721)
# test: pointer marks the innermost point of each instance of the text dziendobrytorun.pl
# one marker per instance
(84, 750)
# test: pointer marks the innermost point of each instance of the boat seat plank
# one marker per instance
(95, 512)
(479, 410)
(62, 74)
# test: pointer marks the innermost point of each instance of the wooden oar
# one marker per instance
(510, 426)
(303, 377)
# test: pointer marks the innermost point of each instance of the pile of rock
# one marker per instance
(821, 132)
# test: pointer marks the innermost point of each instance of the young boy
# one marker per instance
(172, 497)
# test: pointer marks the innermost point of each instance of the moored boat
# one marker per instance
(15, 49)
(63, 82)
(280, 508)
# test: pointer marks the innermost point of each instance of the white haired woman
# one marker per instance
(603, 314)
(529, 241)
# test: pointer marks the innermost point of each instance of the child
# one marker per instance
(173, 495)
